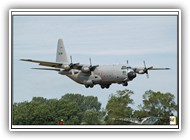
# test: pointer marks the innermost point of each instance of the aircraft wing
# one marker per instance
(143, 70)
(47, 69)
(44, 63)
(159, 69)
(77, 66)
(55, 64)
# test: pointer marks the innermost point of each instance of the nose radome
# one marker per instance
(131, 75)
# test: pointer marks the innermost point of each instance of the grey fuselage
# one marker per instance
(103, 75)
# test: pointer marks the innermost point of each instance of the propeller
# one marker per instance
(92, 68)
(71, 65)
(146, 69)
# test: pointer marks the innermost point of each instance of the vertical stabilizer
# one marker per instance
(61, 55)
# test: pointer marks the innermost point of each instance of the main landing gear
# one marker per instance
(105, 86)
(87, 86)
(102, 86)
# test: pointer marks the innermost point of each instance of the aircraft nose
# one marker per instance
(131, 75)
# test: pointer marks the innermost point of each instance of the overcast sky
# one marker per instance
(107, 40)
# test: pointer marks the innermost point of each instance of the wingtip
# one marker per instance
(25, 59)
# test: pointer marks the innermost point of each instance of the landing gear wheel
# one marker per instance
(91, 86)
(107, 86)
(125, 84)
(102, 87)
(87, 86)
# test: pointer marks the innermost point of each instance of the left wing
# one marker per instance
(159, 68)
(145, 70)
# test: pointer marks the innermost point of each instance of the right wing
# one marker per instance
(77, 66)
(47, 69)
(56, 64)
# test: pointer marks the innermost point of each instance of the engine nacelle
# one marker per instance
(73, 71)
(66, 67)
(85, 69)
(140, 72)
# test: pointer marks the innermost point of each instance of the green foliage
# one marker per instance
(74, 109)
(71, 108)
(159, 105)
(155, 104)
(118, 106)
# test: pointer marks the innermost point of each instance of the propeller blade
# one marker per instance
(92, 68)
(146, 69)
(147, 75)
(144, 64)
(150, 68)
(71, 59)
(90, 61)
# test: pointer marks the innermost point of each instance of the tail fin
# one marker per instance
(61, 55)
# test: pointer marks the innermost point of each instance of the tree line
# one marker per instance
(75, 109)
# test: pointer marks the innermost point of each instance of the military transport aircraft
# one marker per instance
(90, 75)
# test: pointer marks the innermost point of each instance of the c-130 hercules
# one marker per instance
(90, 75)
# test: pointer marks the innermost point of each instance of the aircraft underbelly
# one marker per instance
(102, 75)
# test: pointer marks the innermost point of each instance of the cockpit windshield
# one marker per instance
(125, 67)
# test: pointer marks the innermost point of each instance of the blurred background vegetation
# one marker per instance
(77, 109)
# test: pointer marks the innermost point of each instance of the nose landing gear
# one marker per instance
(125, 84)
